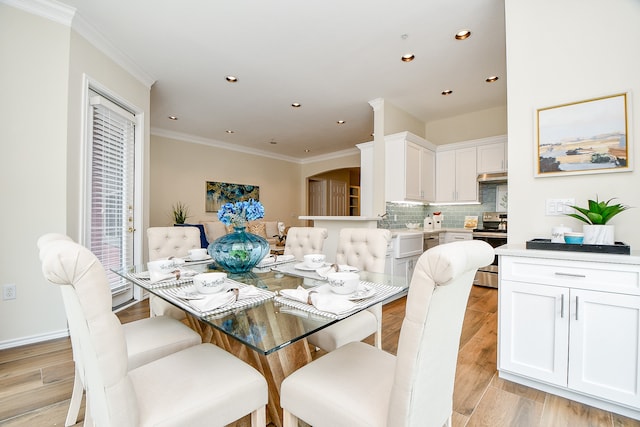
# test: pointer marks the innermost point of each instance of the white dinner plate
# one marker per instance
(189, 293)
(303, 267)
(363, 292)
(188, 259)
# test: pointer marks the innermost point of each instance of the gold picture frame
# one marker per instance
(583, 137)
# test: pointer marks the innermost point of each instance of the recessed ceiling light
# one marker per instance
(173, 118)
(408, 57)
(446, 92)
(306, 150)
(231, 79)
(296, 105)
(230, 131)
(491, 79)
(272, 142)
(341, 122)
(463, 35)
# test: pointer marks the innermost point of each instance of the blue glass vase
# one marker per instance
(239, 251)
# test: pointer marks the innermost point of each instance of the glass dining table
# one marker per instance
(265, 329)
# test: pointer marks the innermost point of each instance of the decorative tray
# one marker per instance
(545, 244)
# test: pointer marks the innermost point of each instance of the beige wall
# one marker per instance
(33, 104)
(180, 169)
(553, 60)
(465, 127)
(397, 120)
(41, 84)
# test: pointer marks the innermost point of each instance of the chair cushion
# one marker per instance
(155, 337)
(200, 386)
(364, 375)
(258, 228)
(353, 328)
(203, 236)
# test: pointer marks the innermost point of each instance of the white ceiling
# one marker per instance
(332, 56)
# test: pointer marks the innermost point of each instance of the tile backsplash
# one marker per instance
(398, 214)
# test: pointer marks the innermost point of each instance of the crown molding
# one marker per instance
(246, 150)
(69, 16)
(48, 9)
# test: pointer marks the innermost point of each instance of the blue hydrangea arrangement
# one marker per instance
(238, 213)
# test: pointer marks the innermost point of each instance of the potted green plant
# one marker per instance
(180, 213)
(596, 216)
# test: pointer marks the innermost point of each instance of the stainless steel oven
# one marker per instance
(494, 232)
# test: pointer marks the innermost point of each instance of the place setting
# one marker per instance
(213, 293)
(314, 266)
(342, 294)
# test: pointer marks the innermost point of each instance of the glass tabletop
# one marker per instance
(267, 324)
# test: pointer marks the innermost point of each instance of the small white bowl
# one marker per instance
(413, 225)
(314, 260)
(343, 282)
(209, 283)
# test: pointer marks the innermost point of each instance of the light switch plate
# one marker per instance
(557, 207)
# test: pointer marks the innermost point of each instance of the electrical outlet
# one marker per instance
(9, 291)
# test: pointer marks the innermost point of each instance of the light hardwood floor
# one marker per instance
(36, 380)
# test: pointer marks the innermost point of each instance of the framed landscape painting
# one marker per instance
(219, 193)
(583, 137)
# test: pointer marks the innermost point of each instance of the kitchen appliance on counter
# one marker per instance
(494, 232)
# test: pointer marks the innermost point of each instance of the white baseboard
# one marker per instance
(33, 339)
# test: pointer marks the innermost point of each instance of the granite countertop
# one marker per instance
(520, 249)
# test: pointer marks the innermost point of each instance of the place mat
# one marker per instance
(172, 294)
(382, 293)
(145, 281)
(289, 268)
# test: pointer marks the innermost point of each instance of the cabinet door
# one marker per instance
(534, 331)
(604, 349)
(428, 175)
(466, 175)
(492, 158)
(446, 176)
(412, 171)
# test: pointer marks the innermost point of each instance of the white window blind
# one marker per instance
(112, 186)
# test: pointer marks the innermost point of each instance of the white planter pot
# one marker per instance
(598, 234)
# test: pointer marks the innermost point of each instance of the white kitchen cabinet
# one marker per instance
(453, 236)
(573, 328)
(409, 168)
(456, 175)
(492, 157)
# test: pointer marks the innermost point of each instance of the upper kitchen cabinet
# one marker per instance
(409, 168)
(456, 175)
(492, 156)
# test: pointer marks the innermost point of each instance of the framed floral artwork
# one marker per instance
(588, 136)
(219, 193)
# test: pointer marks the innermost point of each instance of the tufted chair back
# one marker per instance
(172, 241)
(363, 248)
(422, 392)
(101, 340)
(304, 240)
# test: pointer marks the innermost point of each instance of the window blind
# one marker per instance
(112, 184)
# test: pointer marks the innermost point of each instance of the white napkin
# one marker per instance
(178, 273)
(323, 271)
(328, 302)
(220, 299)
(272, 259)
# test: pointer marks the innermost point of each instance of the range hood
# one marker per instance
(498, 177)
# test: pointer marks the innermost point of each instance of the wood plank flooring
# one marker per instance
(36, 380)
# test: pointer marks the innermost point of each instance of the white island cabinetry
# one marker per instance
(572, 326)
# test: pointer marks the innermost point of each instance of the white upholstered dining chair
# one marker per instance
(200, 385)
(304, 240)
(365, 249)
(147, 339)
(164, 242)
(363, 386)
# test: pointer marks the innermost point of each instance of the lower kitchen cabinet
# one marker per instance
(572, 328)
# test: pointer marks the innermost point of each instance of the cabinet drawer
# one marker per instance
(619, 278)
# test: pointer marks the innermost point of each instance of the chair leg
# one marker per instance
(378, 336)
(259, 417)
(75, 401)
(288, 419)
(448, 422)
